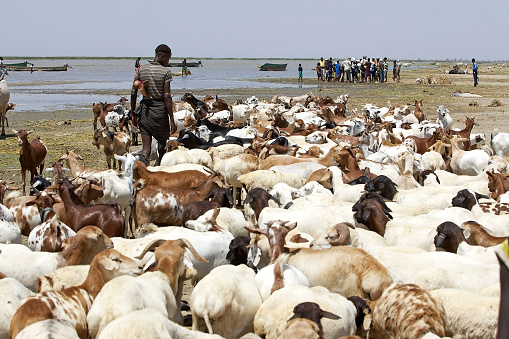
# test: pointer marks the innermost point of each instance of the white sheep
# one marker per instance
(79, 249)
(271, 318)
(49, 328)
(290, 275)
(9, 232)
(467, 314)
(228, 218)
(266, 179)
(160, 290)
(432, 270)
(225, 301)
(193, 156)
(303, 169)
(149, 323)
(11, 293)
(212, 245)
(63, 277)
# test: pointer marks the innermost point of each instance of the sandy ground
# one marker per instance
(61, 130)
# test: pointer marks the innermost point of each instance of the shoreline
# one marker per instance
(57, 136)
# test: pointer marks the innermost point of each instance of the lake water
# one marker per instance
(78, 88)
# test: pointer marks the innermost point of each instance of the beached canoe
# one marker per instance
(40, 68)
(272, 67)
(179, 64)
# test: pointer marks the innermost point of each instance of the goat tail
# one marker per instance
(207, 321)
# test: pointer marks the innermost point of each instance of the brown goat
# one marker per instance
(165, 206)
(31, 155)
(183, 179)
(108, 217)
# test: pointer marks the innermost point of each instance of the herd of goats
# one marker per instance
(294, 218)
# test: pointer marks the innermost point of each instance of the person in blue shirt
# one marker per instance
(474, 71)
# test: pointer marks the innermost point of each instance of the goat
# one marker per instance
(31, 155)
(72, 304)
(164, 206)
(107, 217)
(113, 143)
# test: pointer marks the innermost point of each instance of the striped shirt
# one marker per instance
(157, 75)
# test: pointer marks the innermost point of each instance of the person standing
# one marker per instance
(368, 69)
(381, 70)
(338, 70)
(394, 71)
(474, 71)
(151, 116)
(300, 72)
(398, 69)
(386, 68)
(318, 71)
(347, 67)
(137, 63)
(322, 68)
(184, 68)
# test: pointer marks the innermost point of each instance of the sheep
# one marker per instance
(49, 329)
(160, 290)
(11, 293)
(72, 304)
(212, 245)
(500, 143)
(337, 235)
(49, 236)
(301, 169)
(306, 321)
(194, 156)
(267, 278)
(367, 278)
(9, 232)
(478, 235)
(227, 218)
(266, 179)
(149, 323)
(407, 311)
(467, 162)
(432, 270)
(225, 301)
(79, 249)
(450, 237)
(460, 306)
(62, 278)
(273, 314)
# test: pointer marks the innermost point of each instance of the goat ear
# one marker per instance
(109, 264)
(215, 213)
(254, 230)
(30, 203)
(329, 315)
(467, 233)
(29, 132)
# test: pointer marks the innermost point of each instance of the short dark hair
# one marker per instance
(473, 60)
(163, 49)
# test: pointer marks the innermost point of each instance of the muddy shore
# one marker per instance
(72, 129)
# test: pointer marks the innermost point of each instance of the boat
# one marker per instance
(179, 64)
(17, 64)
(272, 67)
(39, 68)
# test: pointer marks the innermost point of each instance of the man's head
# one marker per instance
(163, 53)
(473, 60)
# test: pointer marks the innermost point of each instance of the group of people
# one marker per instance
(352, 70)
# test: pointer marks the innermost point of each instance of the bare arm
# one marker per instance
(168, 102)
(134, 96)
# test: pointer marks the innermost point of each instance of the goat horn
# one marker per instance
(185, 243)
(150, 247)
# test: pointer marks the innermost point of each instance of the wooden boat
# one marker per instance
(179, 64)
(40, 68)
(17, 64)
(272, 67)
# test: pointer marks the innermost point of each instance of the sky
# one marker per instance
(403, 29)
